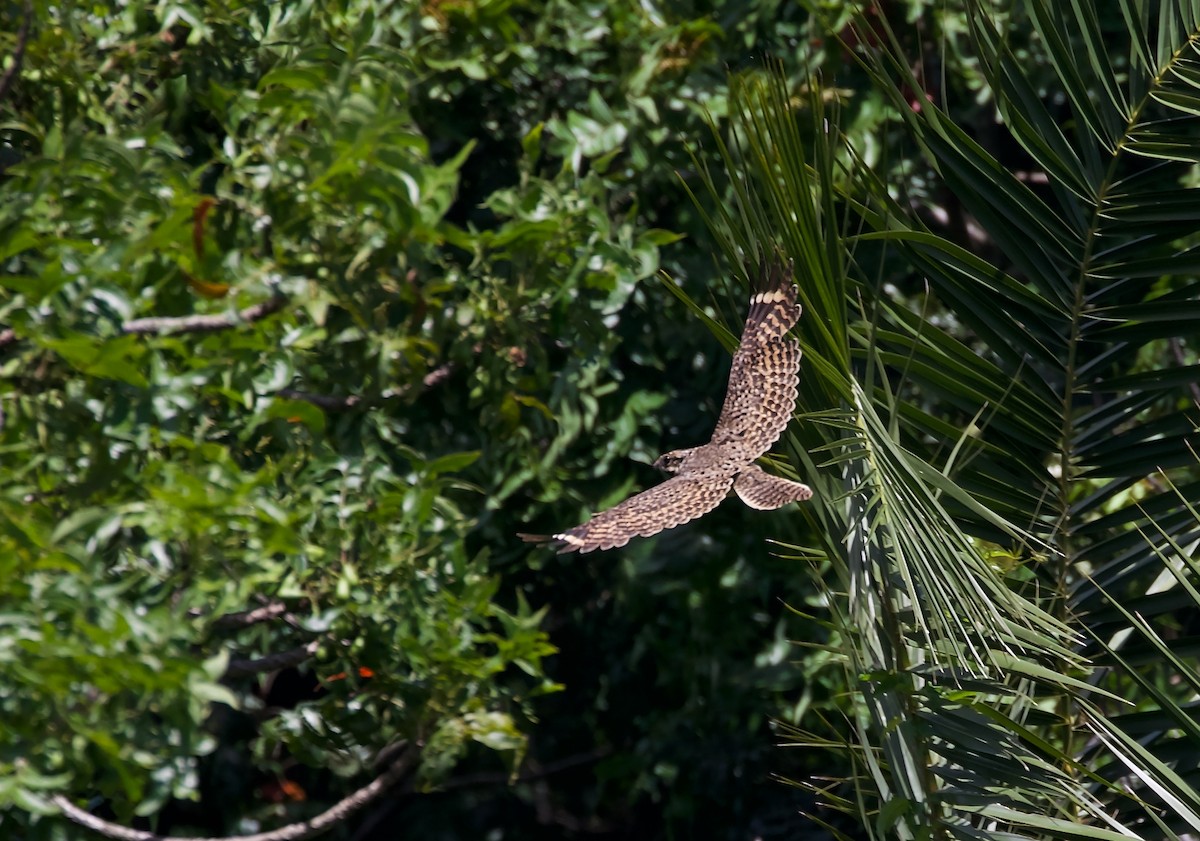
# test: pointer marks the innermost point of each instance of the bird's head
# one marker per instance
(672, 462)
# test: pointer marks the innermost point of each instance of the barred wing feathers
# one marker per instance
(665, 506)
(762, 382)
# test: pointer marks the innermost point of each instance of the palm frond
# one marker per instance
(1050, 409)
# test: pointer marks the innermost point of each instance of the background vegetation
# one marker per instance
(308, 308)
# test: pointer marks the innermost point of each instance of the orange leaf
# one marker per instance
(208, 290)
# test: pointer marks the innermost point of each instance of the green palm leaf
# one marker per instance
(1048, 413)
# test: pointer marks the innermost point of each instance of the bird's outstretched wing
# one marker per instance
(761, 395)
(674, 502)
(766, 492)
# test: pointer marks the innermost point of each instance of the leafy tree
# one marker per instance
(307, 309)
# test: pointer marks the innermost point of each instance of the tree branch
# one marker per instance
(535, 776)
(438, 375)
(174, 326)
(536, 773)
(324, 402)
(245, 618)
(292, 832)
(272, 662)
(332, 403)
(203, 323)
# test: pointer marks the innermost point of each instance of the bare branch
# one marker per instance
(269, 611)
(203, 323)
(292, 832)
(438, 375)
(272, 662)
(18, 55)
(332, 403)
(174, 326)
(535, 775)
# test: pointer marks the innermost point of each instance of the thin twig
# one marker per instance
(541, 772)
(245, 618)
(536, 776)
(334, 403)
(18, 55)
(438, 375)
(292, 832)
(325, 402)
(157, 326)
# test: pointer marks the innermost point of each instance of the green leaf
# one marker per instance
(116, 359)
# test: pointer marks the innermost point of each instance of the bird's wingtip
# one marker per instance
(777, 269)
(561, 543)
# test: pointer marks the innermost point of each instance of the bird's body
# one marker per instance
(758, 406)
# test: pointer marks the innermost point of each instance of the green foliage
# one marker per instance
(313, 306)
(307, 308)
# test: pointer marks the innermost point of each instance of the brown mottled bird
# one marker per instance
(758, 406)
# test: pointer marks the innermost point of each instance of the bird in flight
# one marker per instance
(758, 405)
